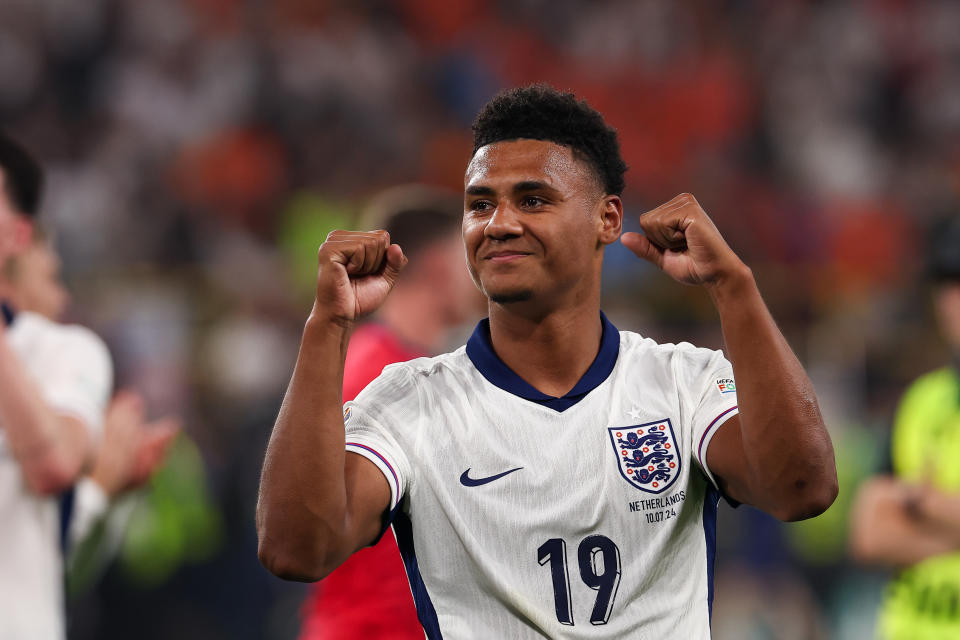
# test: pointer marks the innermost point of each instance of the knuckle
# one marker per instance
(379, 237)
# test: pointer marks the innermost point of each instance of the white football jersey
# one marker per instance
(520, 515)
(71, 368)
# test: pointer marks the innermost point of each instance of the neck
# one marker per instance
(552, 350)
(416, 318)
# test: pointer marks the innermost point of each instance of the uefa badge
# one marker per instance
(647, 455)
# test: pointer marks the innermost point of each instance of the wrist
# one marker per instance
(731, 283)
(325, 331)
(322, 322)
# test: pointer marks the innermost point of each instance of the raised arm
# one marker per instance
(776, 454)
(318, 504)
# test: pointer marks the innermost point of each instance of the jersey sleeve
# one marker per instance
(712, 398)
(80, 385)
(378, 423)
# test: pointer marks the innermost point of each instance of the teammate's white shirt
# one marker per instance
(72, 369)
(525, 516)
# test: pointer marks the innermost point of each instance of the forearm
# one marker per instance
(884, 532)
(940, 510)
(50, 453)
(786, 447)
(301, 512)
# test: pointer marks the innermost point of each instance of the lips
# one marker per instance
(505, 256)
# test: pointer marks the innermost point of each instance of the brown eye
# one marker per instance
(532, 202)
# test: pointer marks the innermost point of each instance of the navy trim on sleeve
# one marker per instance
(488, 363)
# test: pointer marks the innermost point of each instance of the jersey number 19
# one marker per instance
(599, 560)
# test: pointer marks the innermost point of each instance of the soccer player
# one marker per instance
(131, 448)
(55, 382)
(368, 596)
(554, 476)
(910, 520)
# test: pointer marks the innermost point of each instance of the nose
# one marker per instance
(504, 223)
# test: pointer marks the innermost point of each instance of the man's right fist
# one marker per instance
(357, 270)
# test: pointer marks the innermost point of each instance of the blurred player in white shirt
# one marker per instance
(55, 382)
(554, 477)
(131, 448)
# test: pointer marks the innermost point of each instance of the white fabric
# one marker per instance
(485, 552)
(90, 504)
(72, 369)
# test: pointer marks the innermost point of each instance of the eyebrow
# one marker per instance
(479, 191)
(531, 185)
(520, 187)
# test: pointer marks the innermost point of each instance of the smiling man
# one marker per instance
(554, 476)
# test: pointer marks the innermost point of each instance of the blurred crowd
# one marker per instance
(198, 152)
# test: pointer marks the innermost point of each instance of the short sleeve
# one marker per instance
(81, 383)
(713, 399)
(377, 425)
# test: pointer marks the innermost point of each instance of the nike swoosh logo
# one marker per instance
(467, 481)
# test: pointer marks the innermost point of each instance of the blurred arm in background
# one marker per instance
(898, 525)
(131, 450)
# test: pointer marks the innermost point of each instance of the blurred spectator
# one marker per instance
(55, 381)
(369, 596)
(910, 520)
(130, 448)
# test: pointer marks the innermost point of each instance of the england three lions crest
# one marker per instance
(647, 454)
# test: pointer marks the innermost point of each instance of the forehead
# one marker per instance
(511, 161)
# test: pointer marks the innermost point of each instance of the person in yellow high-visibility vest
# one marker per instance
(910, 520)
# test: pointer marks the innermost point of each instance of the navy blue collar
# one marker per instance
(8, 313)
(488, 363)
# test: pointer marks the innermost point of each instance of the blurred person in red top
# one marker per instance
(368, 596)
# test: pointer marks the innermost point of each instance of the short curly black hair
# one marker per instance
(540, 112)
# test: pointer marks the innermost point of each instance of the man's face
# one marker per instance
(535, 221)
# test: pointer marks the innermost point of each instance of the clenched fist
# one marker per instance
(682, 241)
(356, 272)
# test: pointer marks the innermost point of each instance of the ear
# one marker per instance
(611, 219)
